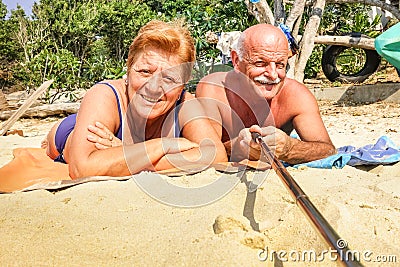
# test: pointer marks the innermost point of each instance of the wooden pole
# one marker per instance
(349, 41)
(29, 101)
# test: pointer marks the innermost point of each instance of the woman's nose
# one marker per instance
(155, 82)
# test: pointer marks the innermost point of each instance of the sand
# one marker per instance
(116, 223)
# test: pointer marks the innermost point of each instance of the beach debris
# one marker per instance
(19, 132)
(32, 98)
(223, 224)
(255, 242)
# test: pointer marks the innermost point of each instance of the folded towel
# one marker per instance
(384, 151)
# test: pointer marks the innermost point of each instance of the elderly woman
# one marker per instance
(161, 125)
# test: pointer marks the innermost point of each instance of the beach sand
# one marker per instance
(116, 223)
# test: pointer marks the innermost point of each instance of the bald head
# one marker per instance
(265, 36)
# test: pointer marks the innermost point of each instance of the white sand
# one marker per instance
(115, 223)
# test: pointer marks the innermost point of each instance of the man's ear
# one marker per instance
(235, 59)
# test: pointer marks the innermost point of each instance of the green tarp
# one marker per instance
(388, 45)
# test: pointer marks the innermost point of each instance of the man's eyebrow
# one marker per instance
(282, 53)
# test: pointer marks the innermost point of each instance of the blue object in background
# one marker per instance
(292, 42)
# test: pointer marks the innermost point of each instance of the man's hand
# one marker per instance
(102, 137)
(278, 141)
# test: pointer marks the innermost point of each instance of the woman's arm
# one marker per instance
(99, 104)
(128, 159)
(198, 129)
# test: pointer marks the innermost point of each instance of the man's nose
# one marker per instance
(270, 71)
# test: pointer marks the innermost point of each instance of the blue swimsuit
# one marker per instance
(67, 125)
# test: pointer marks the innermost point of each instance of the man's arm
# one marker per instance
(314, 142)
(285, 148)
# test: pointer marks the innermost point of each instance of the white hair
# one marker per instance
(239, 48)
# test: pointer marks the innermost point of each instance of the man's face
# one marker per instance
(265, 64)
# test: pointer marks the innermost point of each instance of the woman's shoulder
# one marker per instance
(106, 88)
(115, 84)
(104, 91)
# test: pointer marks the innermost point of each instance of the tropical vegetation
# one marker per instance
(78, 43)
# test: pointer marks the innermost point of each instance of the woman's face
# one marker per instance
(155, 83)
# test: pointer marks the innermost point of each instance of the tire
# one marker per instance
(332, 73)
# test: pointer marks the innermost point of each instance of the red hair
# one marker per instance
(171, 37)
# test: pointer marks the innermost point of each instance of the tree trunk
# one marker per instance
(44, 111)
(279, 12)
(295, 14)
(307, 42)
(261, 11)
(293, 22)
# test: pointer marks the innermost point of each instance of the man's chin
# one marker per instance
(268, 92)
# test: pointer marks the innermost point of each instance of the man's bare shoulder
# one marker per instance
(297, 96)
(212, 85)
(293, 88)
(215, 77)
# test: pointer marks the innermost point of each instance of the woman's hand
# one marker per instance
(102, 137)
(177, 145)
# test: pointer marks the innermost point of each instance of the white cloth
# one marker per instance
(227, 41)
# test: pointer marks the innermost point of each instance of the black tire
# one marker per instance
(332, 73)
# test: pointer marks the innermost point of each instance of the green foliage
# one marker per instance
(10, 51)
(78, 42)
(313, 66)
(206, 16)
(119, 22)
(81, 42)
(62, 67)
(216, 16)
(340, 19)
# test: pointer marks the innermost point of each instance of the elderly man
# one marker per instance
(258, 97)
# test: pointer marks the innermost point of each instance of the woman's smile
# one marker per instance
(150, 99)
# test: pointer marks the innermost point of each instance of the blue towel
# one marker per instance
(381, 153)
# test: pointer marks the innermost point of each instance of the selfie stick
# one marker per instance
(346, 256)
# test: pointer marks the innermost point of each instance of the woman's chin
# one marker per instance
(150, 113)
